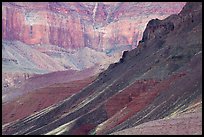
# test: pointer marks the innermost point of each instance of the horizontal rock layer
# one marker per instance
(166, 82)
(74, 25)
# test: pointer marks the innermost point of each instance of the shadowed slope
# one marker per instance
(160, 78)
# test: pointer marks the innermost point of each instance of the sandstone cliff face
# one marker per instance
(74, 25)
(41, 26)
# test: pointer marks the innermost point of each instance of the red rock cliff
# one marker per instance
(73, 25)
(42, 25)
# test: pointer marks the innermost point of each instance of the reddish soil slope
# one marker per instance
(40, 99)
(159, 79)
(40, 81)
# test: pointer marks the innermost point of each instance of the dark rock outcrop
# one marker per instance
(158, 79)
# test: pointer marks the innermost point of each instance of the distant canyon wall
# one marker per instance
(41, 26)
(74, 25)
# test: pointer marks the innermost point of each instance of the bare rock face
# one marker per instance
(74, 25)
(41, 26)
(157, 29)
(160, 80)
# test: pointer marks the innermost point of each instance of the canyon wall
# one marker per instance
(74, 25)
(150, 87)
(41, 26)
